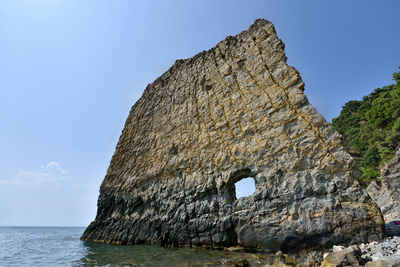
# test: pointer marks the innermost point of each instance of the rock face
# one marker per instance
(235, 111)
(386, 193)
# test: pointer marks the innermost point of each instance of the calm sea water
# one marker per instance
(60, 246)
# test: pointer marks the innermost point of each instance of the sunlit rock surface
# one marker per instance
(237, 110)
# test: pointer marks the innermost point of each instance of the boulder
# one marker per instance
(350, 256)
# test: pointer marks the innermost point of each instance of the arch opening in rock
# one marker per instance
(245, 187)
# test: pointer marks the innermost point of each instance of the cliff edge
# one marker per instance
(235, 111)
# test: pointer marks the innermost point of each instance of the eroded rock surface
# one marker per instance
(235, 111)
(386, 193)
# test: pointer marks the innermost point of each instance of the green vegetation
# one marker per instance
(371, 128)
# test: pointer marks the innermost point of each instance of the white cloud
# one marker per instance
(54, 167)
(51, 173)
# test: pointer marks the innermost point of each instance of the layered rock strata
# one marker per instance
(235, 111)
(386, 190)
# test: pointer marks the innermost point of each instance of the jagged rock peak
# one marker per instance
(237, 110)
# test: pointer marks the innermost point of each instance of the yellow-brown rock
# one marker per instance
(235, 111)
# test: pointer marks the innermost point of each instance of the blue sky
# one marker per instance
(70, 71)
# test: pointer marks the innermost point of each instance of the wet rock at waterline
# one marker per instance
(237, 110)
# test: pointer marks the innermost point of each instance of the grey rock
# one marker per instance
(380, 252)
(388, 261)
(235, 111)
(386, 190)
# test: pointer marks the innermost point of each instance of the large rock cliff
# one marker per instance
(386, 191)
(235, 111)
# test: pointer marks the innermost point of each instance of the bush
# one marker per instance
(371, 128)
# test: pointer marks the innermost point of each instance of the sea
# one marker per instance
(61, 246)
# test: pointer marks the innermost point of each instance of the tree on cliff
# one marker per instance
(371, 128)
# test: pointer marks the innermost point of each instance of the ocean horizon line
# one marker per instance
(45, 226)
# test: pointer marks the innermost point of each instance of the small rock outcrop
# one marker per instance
(386, 191)
(235, 111)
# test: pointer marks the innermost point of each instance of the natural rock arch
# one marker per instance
(235, 110)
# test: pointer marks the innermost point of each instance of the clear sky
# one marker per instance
(71, 70)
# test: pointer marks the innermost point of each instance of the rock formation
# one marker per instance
(386, 192)
(235, 111)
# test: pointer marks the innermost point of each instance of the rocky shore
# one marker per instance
(384, 253)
